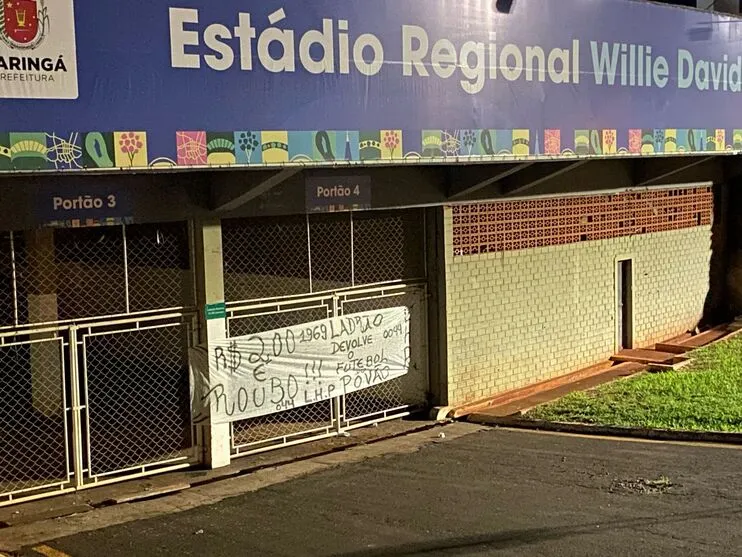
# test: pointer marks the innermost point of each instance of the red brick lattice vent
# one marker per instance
(516, 225)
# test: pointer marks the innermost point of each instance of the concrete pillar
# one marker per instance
(437, 325)
(215, 438)
(46, 363)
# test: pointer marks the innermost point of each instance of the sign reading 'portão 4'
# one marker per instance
(329, 82)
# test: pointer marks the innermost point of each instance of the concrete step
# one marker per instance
(643, 356)
(672, 348)
(706, 337)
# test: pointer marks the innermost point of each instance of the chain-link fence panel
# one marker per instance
(410, 390)
(388, 246)
(138, 397)
(159, 267)
(280, 258)
(385, 397)
(274, 257)
(331, 245)
(69, 274)
(83, 269)
(265, 258)
(33, 429)
(303, 422)
(56, 275)
(242, 325)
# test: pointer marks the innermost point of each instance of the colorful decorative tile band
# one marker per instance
(123, 150)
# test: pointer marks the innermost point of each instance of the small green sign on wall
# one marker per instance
(216, 311)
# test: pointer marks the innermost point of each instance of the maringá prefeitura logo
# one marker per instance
(24, 24)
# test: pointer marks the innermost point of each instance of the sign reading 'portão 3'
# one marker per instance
(328, 82)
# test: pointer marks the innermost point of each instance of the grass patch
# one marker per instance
(704, 396)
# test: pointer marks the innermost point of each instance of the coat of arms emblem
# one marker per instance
(24, 23)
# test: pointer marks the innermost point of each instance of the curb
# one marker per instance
(143, 495)
(609, 431)
(425, 426)
(27, 537)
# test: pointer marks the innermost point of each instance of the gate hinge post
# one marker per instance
(76, 384)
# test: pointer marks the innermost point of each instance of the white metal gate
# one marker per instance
(95, 326)
(393, 398)
(34, 418)
(281, 272)
(94, 338)
(134, 396)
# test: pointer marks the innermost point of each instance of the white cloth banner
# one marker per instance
(277, 370)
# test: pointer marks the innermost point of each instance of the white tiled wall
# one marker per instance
(519, 317)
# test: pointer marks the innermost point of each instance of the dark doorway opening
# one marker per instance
(624, 275)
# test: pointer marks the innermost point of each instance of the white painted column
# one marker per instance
(215, 438)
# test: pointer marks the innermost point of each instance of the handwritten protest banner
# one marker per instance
(264, 373)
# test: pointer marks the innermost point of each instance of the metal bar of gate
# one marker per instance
(14, 272)
(65, 399)
(352, 253)
(309, 255)
(126, 268)
(283, 304)
(77, 451)
(337, 401)
(294, 301)
(115, 318)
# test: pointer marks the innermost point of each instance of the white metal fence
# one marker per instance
(288, 271)
(291, 426)
(95, 326)
(86, 405)
(54, 276)
(135, 395)
(387, 400)
(390, 400)
(34, 416)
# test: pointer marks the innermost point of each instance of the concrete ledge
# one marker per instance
(14, 539)
(608, 431)
(510, 397)
(57, 512)
(146, 494)
(138, 490)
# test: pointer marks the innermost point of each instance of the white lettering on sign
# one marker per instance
(248, 42)
(83, 202)
(338, 191)
(276, 49)
(269, 372)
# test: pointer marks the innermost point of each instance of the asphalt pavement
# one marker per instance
(496, 492)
